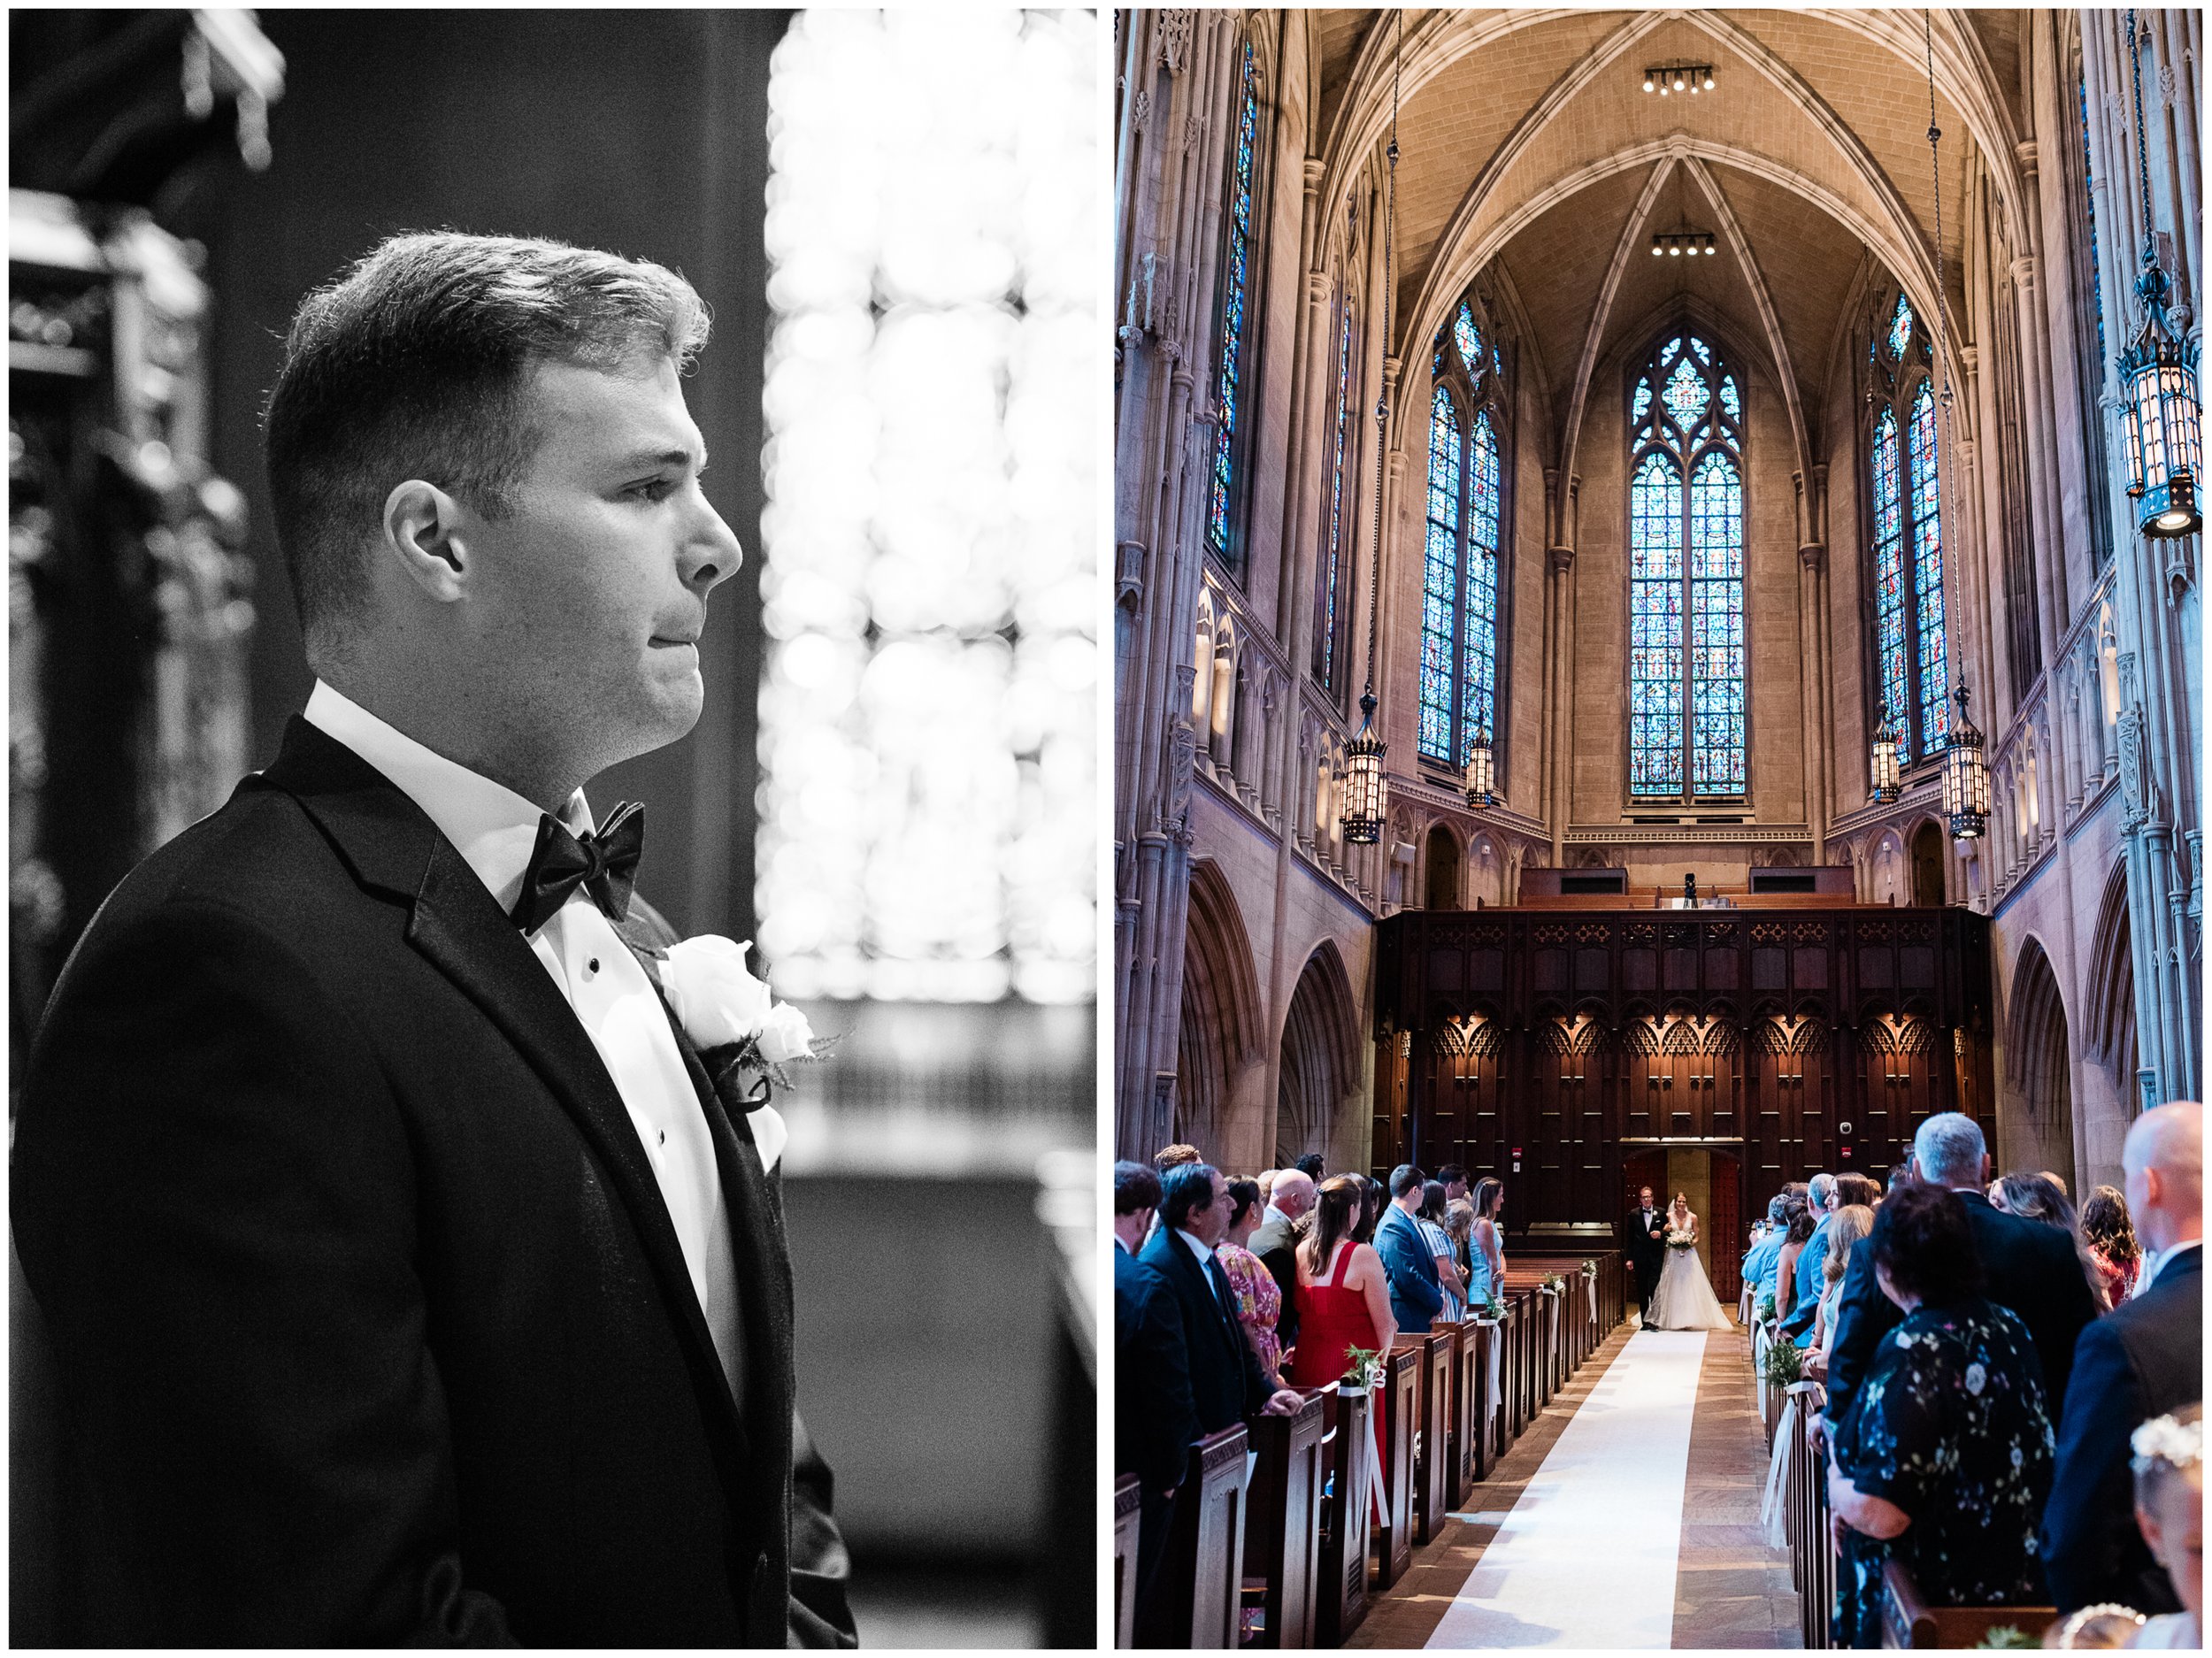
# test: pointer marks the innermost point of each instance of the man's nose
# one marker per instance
(711, 555)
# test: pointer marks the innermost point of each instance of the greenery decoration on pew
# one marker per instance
(1766, 1308)
(1784, 1364)
(1589, 1269)
(1553, 1284)
(2007, 1637)
(1363, 1369)
(1494, 1308)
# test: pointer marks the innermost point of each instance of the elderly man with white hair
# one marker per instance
(2028, 1268)
(1290, 1200)
(2143, 1359)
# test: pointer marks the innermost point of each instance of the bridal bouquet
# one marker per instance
(1678, 1239)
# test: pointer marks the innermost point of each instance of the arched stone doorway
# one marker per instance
(2041, 1062)
(1320, 1058)
(1219, 1036)
(1927, 866)
(2107, 1036)
(1442, 863)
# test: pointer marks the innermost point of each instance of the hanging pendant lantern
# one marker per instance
(1886, 787)
(1481, 774)
(2158, 384)
(1362, 819)
(1965, 775)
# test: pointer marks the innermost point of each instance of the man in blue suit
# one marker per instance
(2141, 1360)
(1155, 1421)
(1798, 1327)
(1415, 1295)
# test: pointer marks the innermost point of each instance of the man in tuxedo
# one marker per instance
(2030, 1268)
(1226, 1382)
(2141, 1360)
(410, 1281)
(1155, 1421)
(1416, 1295)
(1643, 1234)
(1275, 1242)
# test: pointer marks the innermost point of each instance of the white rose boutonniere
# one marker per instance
(730, 1015)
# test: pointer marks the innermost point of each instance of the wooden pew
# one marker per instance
(1283, 1522)
(1433, 1456)
(1401, 1414)
(1195, 1600)
(1460, 1475)
(1340, 1603)
(1908, 1620)
(1128, 1498)
(1812, 1558)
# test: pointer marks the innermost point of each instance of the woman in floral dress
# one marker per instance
(1259, 1298)
(1945, 1462)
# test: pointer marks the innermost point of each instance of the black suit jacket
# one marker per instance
(2029, 1267)
(371, 1325)
(1155, 1421)
(1226, 1385)
(1275, 1242)
(1644, 1250)
(2141, 1360)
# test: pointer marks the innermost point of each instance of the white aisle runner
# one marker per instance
(1587, 1556)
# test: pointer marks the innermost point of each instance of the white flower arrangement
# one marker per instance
(731, 1017)
(2163, 1439)
(1680, 1238)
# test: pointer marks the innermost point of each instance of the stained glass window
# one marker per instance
(1332, 572)
(1469, 337)
(1440, 578)
(1889, 579)
(1900, 329)
(1235, 293)
(1479, 650)
(1927, 566)
(1687, 644)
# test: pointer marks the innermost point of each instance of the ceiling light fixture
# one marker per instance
(1679, 77)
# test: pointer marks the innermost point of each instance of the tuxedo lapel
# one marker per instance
(391, 847)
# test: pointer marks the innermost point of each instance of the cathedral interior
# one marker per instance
(1712, 440)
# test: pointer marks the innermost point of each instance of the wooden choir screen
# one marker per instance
(1784, 1042)
(1725, 1231)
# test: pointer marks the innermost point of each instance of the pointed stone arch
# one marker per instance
(2039, 1059)
(1220, 1034)
(1320, 1058)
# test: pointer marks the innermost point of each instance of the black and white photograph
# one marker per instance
(554, 779)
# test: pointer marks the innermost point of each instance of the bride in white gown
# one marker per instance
(1684, 1298)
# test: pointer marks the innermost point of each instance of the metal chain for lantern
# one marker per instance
(1360, 819)
(1965, 765)
(2158, 378)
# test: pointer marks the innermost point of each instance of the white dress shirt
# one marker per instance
(496, 830)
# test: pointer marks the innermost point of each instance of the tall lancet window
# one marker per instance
(1329, 642)
(1687, 728)
(1464, 588)
(1912, 668)
(1232, 376)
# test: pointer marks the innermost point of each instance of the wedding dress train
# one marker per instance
(1684, 1298)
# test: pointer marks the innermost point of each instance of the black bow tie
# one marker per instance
(604, 864)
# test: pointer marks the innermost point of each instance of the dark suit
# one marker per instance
(1416, 1296)
(1227, 1384)
(1645, 1253)
(1275, 1242)
(2027, 1266)
(2141, 1360)
(1155, 1421)
(371, 1324)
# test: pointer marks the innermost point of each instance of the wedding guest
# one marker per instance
(1155, 1421)
(1371, 1200)
(1456, 1184)
(1267, 1185)
(1175, 1157)
(2168, 1464)
(1759, 1264)
(1486, 1246)
(2042, 1198)
(2030, 1269)
(1310, 1166)
(1259, 1298)
(1849, 1225)
(1946, 1462)
(1449, 1279)
(1343, 1293)
(2114, 1252)
(1227, 1384)
(1416, 1296)
(1797, 1326)
(2143, 1359)
(1459, 1226)
(1799, 1230)
(1276, 1244)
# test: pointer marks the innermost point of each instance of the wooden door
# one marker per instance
(1725, 1234)
(1900, 1086)
(1791, 1120)
(1459, 1121)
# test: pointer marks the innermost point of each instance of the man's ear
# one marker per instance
(423, 531)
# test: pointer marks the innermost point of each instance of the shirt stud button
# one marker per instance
(592, 966)
(664, 1134)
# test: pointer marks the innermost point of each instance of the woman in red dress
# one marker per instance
(1343, 1297)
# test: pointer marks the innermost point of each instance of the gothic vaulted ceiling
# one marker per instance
(1526, 138)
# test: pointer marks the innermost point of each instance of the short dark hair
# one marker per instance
(1246, 1195)
(1452, 1171)
(1185, 1187)
(1311, 1165)
(1135, 1188)
(417, 363)
(1856, 1189)
(1175, 1156)
(1923, 1240)
(1404, 1178)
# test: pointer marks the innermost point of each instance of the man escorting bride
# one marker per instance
(1684, 1297)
